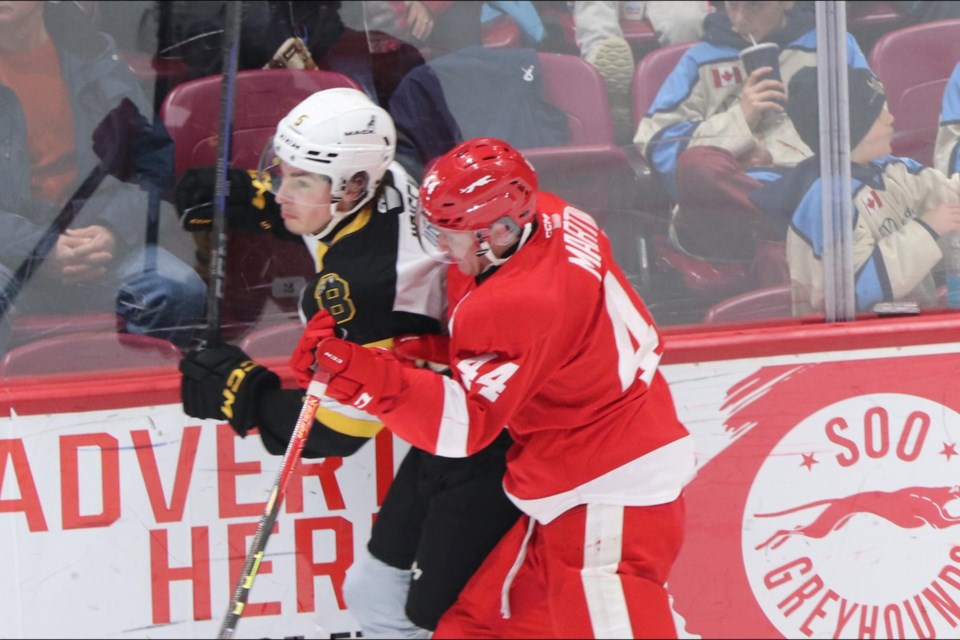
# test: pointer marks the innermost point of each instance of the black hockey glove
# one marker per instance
(224, 383)
(249, 207)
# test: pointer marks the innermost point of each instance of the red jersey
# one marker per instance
(557, 347)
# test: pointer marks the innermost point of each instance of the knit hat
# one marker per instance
(866, 100)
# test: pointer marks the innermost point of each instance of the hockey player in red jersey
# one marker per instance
(548, 340)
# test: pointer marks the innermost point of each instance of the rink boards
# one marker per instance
(826, 502)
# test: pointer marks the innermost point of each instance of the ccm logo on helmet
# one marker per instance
(487, 179)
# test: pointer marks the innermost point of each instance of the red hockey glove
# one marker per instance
(368, 379)
(424, 348)
(304, 356)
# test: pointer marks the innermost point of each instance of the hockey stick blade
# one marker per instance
(288, 465)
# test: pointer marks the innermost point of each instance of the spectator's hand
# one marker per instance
(222, 382)
(944, 218)
(760, 95)
(81, 255)
(93, 248)
(758, 156)
(304, 356)
(420, 20)
(368, 379)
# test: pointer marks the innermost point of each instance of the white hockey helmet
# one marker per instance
(335, 133)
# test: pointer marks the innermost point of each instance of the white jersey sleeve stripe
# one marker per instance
(454, 422)
(602, 552)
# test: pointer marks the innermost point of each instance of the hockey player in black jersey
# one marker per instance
(330, 178)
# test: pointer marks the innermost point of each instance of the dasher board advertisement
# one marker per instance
(827, 498)
(135, 523)
(826, 504)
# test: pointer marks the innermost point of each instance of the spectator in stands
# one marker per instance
(947, 150)
(60, 79)
(600, 38)
(541, 23)
(351, 38)
(712, 129)
(901, 209)
(437, 26)
(674, 22)
(524, 14)
(439, 104)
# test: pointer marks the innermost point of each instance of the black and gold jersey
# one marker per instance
(372, 276)
(376, 281)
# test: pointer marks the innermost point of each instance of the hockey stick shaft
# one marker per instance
(218, 241)
(265, 527)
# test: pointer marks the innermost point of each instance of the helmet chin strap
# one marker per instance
(486, 251)
(337, 216)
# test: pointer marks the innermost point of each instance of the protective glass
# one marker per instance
(290, 183)
(443, 245)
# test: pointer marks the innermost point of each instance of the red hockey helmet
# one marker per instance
(477, 183)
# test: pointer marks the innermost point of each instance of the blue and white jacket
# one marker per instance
(699, 102)
(894, 250)
(946, 155)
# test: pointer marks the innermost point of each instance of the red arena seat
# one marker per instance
(88, 351)
(914, 64)
(760, 304)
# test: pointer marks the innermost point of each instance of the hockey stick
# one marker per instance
(291, 457)
(218, 243)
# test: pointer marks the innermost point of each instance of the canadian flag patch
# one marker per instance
(871, 200)
(726, 75)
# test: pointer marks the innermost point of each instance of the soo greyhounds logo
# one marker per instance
(906, 508)
(835, 513)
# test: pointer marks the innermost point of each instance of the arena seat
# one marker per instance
(759, 304)
(591, 171)
(650, 73)
(260, 267)
(88, 351)
(582, 169)
(191, 112)
(871, 19)
(648, 76)
(29, 327)
(914, 65)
